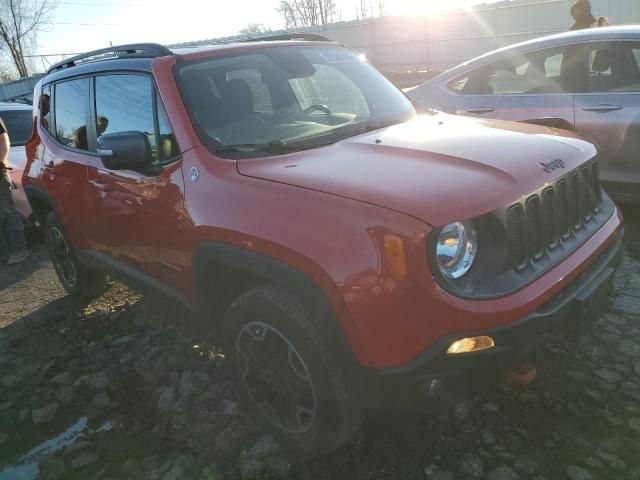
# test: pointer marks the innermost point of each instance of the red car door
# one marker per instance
(139, 215)
(63, 153)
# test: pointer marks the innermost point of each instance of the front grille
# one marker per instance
(546, 219)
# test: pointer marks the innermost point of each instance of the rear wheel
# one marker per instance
(78, 280)
(301, 386)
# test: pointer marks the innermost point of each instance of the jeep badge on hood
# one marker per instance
(552, 165)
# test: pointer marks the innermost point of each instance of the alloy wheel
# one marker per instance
(61, 257)
(276, 377)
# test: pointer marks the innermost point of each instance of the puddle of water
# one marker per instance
(27, 468)
(107, 426)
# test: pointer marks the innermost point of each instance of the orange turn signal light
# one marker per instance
(394, 252)
(470, 344)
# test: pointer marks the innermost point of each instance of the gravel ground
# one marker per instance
(122, 389)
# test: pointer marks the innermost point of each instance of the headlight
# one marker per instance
(456, 249)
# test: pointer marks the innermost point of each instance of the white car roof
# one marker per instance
(623, 32)
(4, 106)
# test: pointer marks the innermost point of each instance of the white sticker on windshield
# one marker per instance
(341, 57)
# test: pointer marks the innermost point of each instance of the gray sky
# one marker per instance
(82, 25)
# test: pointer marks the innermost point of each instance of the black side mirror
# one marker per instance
(124, 150)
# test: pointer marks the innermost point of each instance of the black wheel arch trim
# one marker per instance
(40, 194)
(214, 260)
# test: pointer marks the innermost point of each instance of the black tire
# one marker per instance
(318, 380)
(78, 280)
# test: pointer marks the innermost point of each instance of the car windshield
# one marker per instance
(278, 99)
(18, 123)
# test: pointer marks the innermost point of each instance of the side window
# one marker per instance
(535, 73)
(636, 54)
(126, 103)
(459, 84)
(514, 77)
(553, 65)
(45, 104)
(259, 90)
(71, 101)
(167, 144)
(614, 68)
(330, 87)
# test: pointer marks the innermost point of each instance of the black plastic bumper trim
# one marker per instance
(519, 339)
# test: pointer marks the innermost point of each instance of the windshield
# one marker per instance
(288, 96)
(18, 123)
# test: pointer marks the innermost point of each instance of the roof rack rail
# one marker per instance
(134, 50)
(311, 37)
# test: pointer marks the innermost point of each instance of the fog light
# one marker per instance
(470, 344)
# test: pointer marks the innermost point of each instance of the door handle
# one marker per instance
(602, 108)
(480, 109)
(101, 186)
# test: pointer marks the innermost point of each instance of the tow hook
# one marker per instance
(522, 375)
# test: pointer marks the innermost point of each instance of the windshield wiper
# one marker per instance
(274, 146)
(353, 130)
(277, 147)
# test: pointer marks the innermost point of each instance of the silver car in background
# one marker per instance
(18, 118)
(587, 80)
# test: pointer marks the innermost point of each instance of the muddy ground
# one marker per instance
(121, 390)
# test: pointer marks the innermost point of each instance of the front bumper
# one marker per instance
(580, 301)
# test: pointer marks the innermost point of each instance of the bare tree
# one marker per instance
(254, 29)
(7, 70)
(365, 9)
(20, 21)
(307, 13)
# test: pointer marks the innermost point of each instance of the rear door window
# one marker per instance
(533, 73)
(614, 67)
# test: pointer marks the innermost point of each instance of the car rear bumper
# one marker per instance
(579, 302)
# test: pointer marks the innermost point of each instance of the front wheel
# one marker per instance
(78, 280)
(298, 383)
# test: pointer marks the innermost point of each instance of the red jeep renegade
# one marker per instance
(289, 195)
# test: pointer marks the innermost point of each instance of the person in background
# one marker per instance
(12, 241)
(582, 16)
(603, 22)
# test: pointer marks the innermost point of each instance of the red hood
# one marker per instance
(439, 168)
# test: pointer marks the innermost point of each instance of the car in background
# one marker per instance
(586, 80)
(18, 119)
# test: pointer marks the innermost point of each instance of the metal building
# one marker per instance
(19, 89)
(443, 41)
